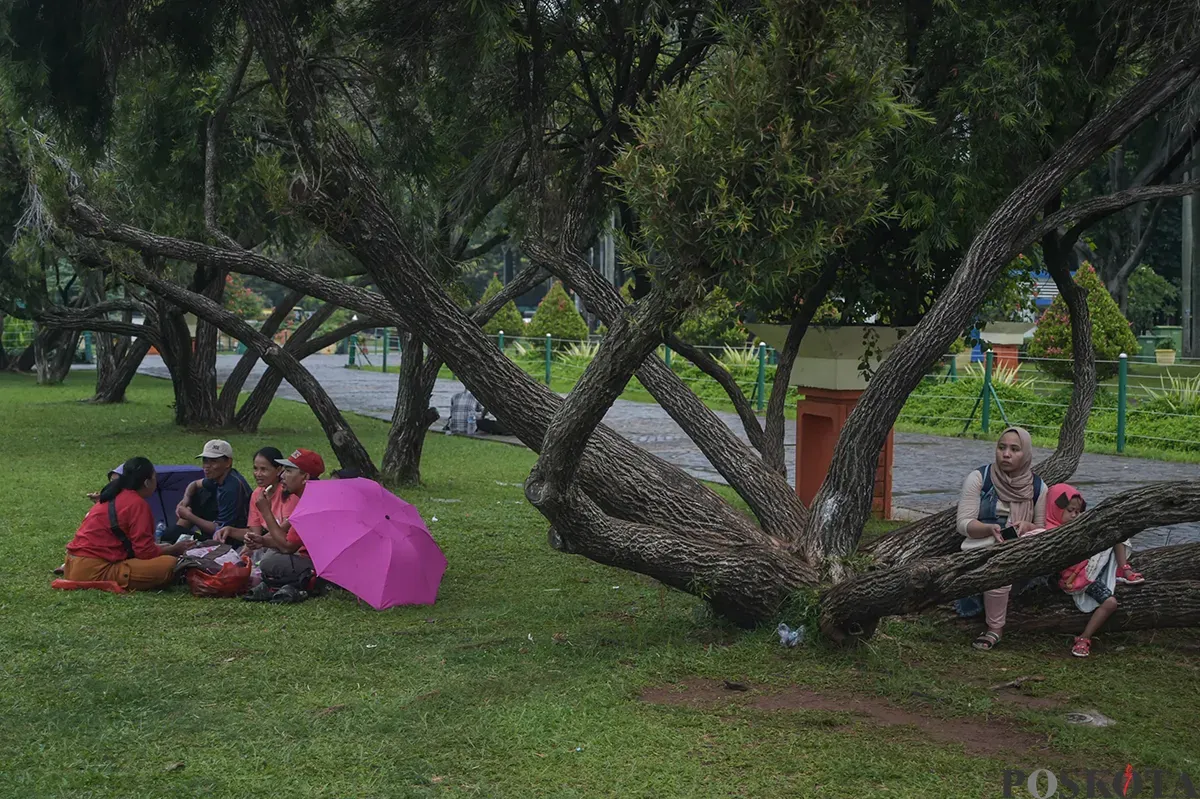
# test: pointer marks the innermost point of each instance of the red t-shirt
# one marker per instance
(95, 538)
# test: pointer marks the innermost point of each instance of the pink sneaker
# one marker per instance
(1082, 648)
(1127, 575)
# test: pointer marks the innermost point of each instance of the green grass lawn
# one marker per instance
(524, 680)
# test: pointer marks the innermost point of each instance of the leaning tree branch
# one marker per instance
(346, 445)
(859, 602)
(768, 494)
(1083, 215)
(634, 336)
(773, 451)
(1135, 258)
(725, 379)
(227, 401)
(843, 505)
(212, 135)
(1155, 605)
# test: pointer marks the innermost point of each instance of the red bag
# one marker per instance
(233, 580)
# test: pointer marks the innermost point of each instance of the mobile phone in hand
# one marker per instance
(1009, 534)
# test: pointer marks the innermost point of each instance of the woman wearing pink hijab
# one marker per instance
(1005, 493)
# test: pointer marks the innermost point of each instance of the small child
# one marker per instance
(1090, 582)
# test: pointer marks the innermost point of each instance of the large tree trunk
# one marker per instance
(54, 352)
(193, 362)
(112, 385)
(346, 446)
(412, 416)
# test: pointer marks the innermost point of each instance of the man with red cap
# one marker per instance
(287, 569)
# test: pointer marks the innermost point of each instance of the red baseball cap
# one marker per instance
(306, 461)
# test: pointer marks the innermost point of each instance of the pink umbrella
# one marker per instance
(370, 542)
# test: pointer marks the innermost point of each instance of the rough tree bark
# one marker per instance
(773, 444)
(54, 352)
(412, 416)
(1169, 598)
(842, 506)
(767, 493)
(346, 446)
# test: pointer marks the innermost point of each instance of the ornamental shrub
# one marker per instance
(1110, 331)
(507, 318)
(557, 316)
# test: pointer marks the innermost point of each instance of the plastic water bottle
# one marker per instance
(159, 529)
(789, 637)
(471, 423)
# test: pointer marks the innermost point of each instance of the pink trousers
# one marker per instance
(995, 606)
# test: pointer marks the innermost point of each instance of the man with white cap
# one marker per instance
(221, 499)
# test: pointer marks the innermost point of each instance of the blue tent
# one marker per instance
(172, 482)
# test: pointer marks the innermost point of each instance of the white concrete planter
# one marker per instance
(830, 357)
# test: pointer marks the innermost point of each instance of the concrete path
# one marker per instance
(926, 476)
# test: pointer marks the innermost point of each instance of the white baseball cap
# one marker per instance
(217, 449)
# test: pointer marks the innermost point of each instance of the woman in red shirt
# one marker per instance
(116, 539)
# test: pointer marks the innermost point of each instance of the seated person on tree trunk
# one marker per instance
(287, 569)
(463, 406)
(1002, 494)
(221, 499)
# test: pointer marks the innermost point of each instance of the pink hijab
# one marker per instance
(1016, 489)
(1057, 500)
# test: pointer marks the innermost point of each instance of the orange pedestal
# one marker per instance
(820, 417)
(1006, 355)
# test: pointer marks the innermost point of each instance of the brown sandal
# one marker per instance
(986, 640)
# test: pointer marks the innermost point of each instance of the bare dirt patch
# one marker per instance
(986, 737)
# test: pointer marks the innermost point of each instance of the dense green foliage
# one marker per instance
(757, 171)
(713, 322)
(241, 300)
(556, 315)
(1110, 331)
(1151, 298)
(508, 318)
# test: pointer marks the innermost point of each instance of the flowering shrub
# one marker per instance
(241, 300)
(1110, 331)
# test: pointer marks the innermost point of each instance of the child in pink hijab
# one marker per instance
(1090, 582)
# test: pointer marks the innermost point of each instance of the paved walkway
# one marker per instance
(927, 473)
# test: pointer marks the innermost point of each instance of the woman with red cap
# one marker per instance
(287, 569)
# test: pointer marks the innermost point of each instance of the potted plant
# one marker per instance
(1164, 351)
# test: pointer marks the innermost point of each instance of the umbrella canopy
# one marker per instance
(370, 542)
